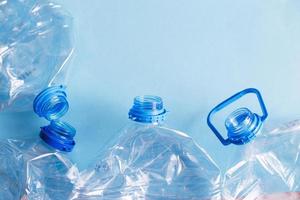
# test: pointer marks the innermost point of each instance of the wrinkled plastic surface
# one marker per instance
(35, 43)
(151, 162)
(269, 167)
(32, 170)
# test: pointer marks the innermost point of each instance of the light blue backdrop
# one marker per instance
(193, 53)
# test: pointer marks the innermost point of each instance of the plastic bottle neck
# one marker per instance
(148, 109)
(52, 104)
(59, 135)
(242, 126)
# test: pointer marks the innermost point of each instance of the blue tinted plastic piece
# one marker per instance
(147, 109)
(242, 125)
(36, 43)
(51, 103)
(59, 135)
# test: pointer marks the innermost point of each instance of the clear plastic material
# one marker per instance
(268, 167)
(35, 43)
(150, 161)
(32, 170)
(266, 163)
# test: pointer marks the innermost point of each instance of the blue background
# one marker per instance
(192, 53)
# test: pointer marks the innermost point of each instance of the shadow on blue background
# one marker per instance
(194, 54)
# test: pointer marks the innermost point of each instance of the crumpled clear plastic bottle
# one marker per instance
(151, 161)
(35, 43)
(266, 164)
(38, 169)
(33, 170)
(269, 165)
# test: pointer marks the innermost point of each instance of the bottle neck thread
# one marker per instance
(51, 103)
(147, 109)
(59, 135)
(242, 126)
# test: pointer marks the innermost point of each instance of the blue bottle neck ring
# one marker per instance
(59, 135)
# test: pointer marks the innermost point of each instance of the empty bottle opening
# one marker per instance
(239, 120)
(59, 135)
(147, 109)
(51, 103)
(148, 102)
(63, 128)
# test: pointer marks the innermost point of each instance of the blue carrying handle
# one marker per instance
(230, 101)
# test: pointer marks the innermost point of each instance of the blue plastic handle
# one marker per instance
(230, 101)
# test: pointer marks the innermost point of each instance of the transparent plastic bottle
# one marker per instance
(266, 164)
(36, 41)
(151, 161)
(38, 169)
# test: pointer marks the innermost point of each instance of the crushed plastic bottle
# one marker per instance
(38, 169)
(33, 170)
(151, 161)
(36, 41)
(266, 163)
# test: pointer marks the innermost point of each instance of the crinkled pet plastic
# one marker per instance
(152, 162)
(35, 43)
(32, 170)
(269, 167)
